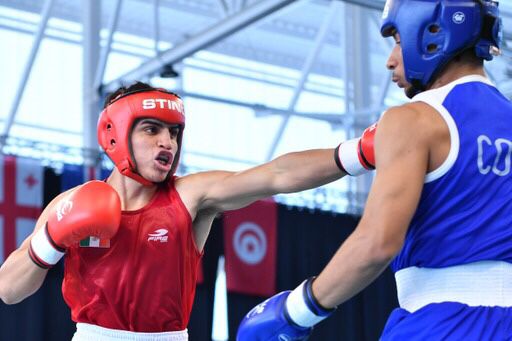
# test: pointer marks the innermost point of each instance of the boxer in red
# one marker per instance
(152, 224)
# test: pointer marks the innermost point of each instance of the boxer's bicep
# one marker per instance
(401, 148)
(224, 190)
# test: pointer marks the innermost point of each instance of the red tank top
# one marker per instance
(145, 281)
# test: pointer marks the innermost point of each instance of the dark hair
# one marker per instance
(469, 56)
(135, 87)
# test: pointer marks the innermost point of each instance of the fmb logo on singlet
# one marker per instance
(501, 148)
(159, 235)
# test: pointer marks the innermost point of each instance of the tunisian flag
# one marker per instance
(250, 242)
(21, 198)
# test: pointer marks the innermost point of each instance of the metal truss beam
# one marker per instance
(102, 63)
(90, 52)
(334, 118)
(358, 76)
(201, 41)
(306, 68)
(45, 15)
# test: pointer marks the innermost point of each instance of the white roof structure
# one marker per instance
(259, 77)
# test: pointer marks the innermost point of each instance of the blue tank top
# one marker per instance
(465, 210)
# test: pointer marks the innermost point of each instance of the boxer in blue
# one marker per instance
(440, 208)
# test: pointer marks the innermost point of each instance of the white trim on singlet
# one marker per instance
(91, 332)
(484, 283)
(435, 98)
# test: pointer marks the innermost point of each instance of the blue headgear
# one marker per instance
(432, 32)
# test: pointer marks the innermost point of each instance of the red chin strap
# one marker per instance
(137, 177)
(126, 170)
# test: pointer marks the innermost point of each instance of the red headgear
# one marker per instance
(116, 123)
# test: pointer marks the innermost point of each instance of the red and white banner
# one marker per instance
(21, 198)
(250, 242)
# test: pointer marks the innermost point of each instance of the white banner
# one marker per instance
(29, 182)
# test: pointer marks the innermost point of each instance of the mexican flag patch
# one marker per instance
(95, 242)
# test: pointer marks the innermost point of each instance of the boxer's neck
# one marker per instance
(133, 194)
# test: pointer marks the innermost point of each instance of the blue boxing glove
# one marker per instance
(289, 316)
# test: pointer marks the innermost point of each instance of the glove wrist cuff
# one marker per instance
(348, 159)
(303, 308)
(43, 251)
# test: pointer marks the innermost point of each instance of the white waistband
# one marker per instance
(90, 332)
(486, 283)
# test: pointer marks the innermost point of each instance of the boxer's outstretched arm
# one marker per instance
(292, 172)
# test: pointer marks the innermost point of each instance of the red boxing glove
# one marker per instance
(93, 209)
(357, 156)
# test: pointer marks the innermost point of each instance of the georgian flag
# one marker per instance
(21, 198)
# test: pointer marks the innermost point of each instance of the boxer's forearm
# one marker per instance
(299, 171)
(19, 277)
(313, 168)
(355, 265)
(291, 172)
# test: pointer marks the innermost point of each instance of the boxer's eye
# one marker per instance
(151, 129)
(174, 131)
